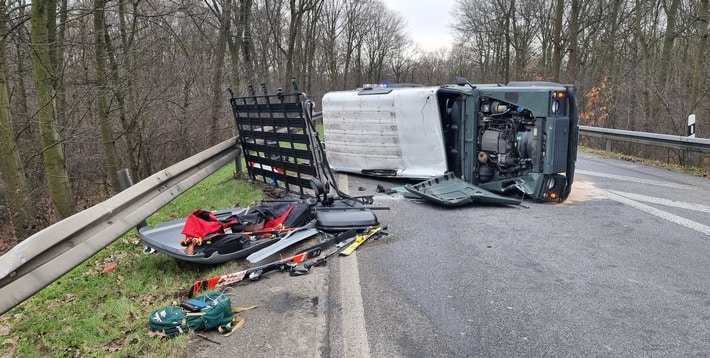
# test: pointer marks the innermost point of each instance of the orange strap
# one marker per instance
(190, 243)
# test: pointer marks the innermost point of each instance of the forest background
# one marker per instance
(89, 87)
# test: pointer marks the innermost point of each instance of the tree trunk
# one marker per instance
(510, 11)
(54, 50)
(294, 53)
(248, 47)
(241, 47)
(668, 40)
(309, 47)
(353, 40)
(642, 53)
(330, 31)
(557, 41)
(698, 67)
(216, 104)
(133, 124)
(610, 48)
(109, 142)
(17, 197)
(573, 41)
(58, 62)
(131, 135)
(52, 153)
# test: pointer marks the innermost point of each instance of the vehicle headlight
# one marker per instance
(550, 183)
(555, 107)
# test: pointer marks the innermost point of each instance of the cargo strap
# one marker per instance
(236, 323)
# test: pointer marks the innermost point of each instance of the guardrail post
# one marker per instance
(608, 145)
(124, 179)
(238, 163)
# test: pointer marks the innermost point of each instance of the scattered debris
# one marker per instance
(410, 195)
(207, 338)
(288, 264)
(267, 229)
(110, 267)
(361, 239)
(448, 190)
(210, 311)
(221, 236)
(389, 191)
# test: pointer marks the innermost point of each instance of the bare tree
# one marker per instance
(102, 107)
(122, 89)
(557, 44)
(331, 30)
(699, 69)
(309, 38)
(18, 204)
(241, 46)
(402, 63)
(384, 37)
(668, 40)
(54, 164)
(159, 67)
(574, 29)
(355, 28)
(491, 41)
(217, 102)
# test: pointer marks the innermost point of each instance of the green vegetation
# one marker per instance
(92, 312)
(696, 171)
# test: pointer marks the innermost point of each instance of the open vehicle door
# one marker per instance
(449, 190)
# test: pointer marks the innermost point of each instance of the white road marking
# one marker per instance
(690, 224)
(355, 340)
(352, 323)
(635, 180)
(666, 202)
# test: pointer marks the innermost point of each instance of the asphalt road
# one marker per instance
(618, 270)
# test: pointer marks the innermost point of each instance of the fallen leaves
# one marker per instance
(154, 334)
(5, 330)
(12, 345)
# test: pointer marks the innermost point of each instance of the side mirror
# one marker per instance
(462, 82)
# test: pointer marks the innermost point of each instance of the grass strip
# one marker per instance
(92, 312)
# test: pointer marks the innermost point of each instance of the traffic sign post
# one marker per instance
(691, 134)
(691, 126)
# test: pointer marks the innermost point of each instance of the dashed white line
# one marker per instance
(635, 180)
(666, 202)
(690, 224)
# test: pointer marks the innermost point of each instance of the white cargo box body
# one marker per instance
(386, 133)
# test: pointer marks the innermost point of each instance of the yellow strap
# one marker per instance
(360, 239)
(242, 309)
(236, 323)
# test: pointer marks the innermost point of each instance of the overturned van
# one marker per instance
(461, 138)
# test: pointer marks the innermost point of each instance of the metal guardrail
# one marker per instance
(47, 255)
(701, 145)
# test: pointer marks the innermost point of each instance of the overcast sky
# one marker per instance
(428, 21)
